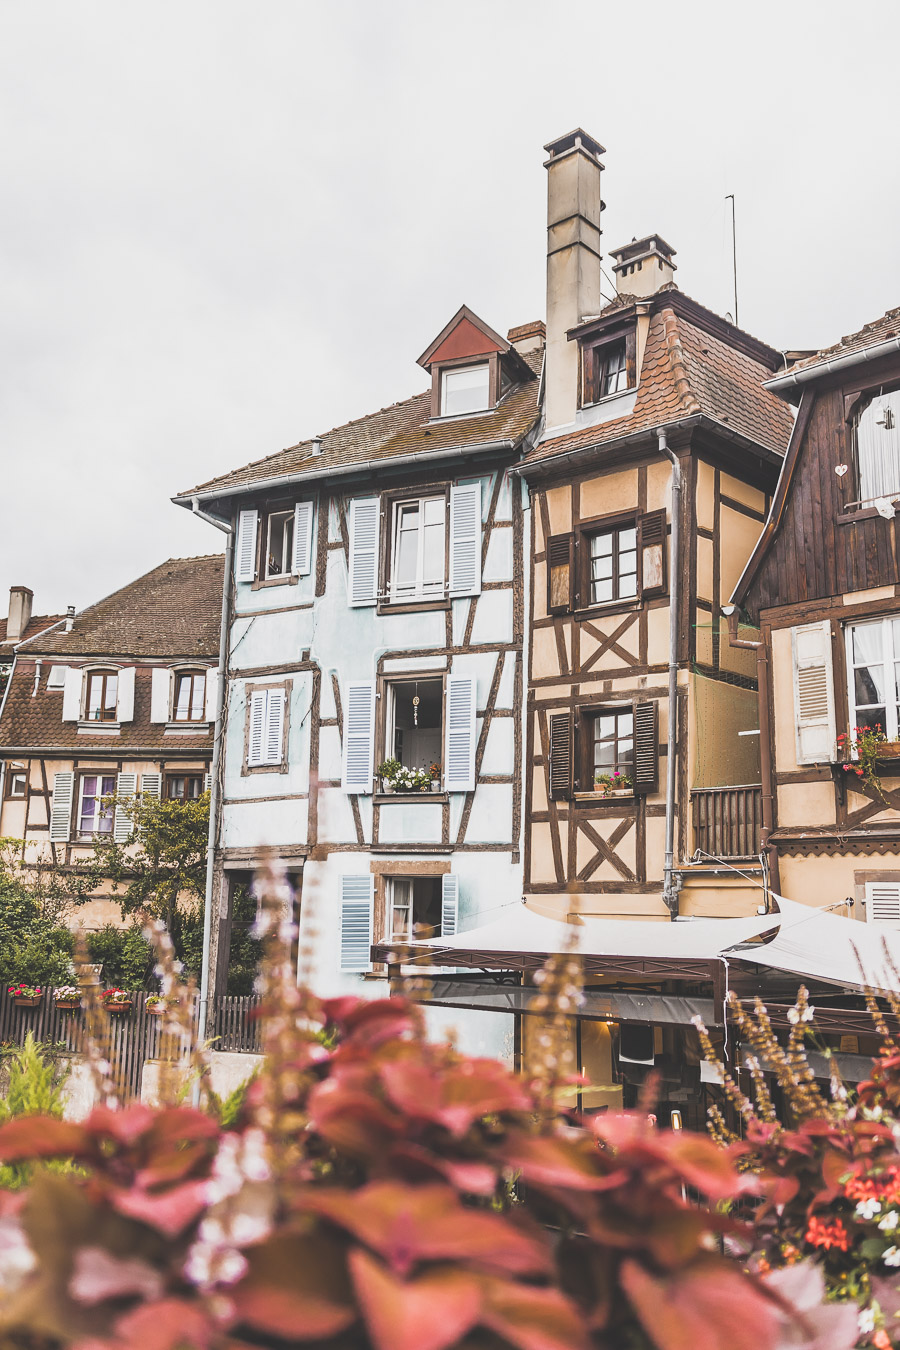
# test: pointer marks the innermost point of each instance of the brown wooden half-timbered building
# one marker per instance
(633, 384)
(823, 585)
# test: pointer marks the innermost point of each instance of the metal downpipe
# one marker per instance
(670, 886)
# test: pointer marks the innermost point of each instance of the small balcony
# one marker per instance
(727, 821)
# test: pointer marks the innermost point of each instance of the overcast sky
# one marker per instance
(225, 226)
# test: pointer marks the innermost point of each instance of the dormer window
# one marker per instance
(466, 389)
(102, 695)
(280, 543)
(608, 367)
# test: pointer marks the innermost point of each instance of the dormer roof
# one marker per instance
(468, 337)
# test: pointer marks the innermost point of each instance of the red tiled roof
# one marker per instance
(172, 611)
(691, 367)
(35, 625)
(32, 723)
(400, 430)
(880, 330)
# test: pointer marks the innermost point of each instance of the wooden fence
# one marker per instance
(134, 1035)
(728, 821)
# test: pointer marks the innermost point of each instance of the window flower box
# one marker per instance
(67, 998)
(25, 995)
(117, 1000)
(155, 1005)
(615, 784)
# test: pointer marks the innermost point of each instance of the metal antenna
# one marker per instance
(730, 198)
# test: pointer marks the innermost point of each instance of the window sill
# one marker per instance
(410, 606)
(385, 798)
(292, 580)
(187, 728)
(98, 728)
(608, 607)
(599, 798)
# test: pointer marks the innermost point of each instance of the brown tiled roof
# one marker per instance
(173, 611)
(880, 330)
(32, 723)
(400, 430)
(691, 368)
(35, 625)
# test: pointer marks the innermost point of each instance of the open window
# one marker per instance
(16, 780)
(607, 748)
(279, 543)
(189, 704)
(877, 438)
(184, 787)
(414, 905)
(608, 367)
(414, 726)
(604, 751)
(418, 554)
(101, 695)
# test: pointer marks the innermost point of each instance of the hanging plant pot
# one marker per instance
(156, 1009)
(68, 1004)
(119, 1007)
(435, 785)
(28, 1002)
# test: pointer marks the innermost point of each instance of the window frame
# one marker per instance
(890, 658)
(103, 673)
(385, 603)
(384, 687)
(437, 591)
(502, 379)
(188, 775)
(409, 880)
(191, 673)
(594, 363)
(586, 740)
(288, 514)
(13, 772)
(83, 776)
(591, 529)
(861, 402)
(445, 370)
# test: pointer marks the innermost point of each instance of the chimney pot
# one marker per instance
(316, 446)
(20, 602)
(644, 266)
(528, 336)
(70, 618)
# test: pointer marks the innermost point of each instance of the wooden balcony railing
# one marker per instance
(727, 821)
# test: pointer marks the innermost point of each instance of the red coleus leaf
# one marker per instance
(531, 1318)
(170, 1324)
(697, 1161)
(352, 1119)
(169, 1212)
(706, 1308)
(408, 1224)
(554, 1161)
(455, 1095)
(370, 1022)
(464, 1174)
(296, 1287)
(43, 1137)
(429, 1313)
(126, 1126)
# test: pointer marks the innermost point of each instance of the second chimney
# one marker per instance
(573, 263)
(644, 266)
(20, 602)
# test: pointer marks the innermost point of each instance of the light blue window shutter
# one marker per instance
(459, 741)
(449, 905)
(303, 528)
(151, 785)
(357, 909)
(364, 521)
(465, 539)
(126, 786)
(359, 735)
(61, 806)
(245, 551)
(258, 703)
(273, 749)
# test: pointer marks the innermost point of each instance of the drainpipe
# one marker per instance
(214, 777)
(765, 747)
(670, 884)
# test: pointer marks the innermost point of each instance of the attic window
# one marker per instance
(465, 389)
(608, 367)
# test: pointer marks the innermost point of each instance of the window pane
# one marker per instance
(465, 390)
(95, 695)
(281, 533)
(601, 545)
(868, 683)
(627, 539)
(613, 377)
(405, 568)
(600, 591)
(182, 697)
(878, 447)
(433, 559)
(112, 689)
(198, 697)
(627, 586)
(867, 643)
(434, 511)
(626, 722)
(601, 567)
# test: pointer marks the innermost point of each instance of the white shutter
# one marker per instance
(449, 905)
(126, 786)
(151, 785)
(303, 527)
(245, 551)
(357, 908)
(465, 539)
(72, 695)
(359, 735)
(883, 903)
(813, 693)
(258, 701)
(364, 520)
(125, 695)
(212, 688)
(61, 806)
(207, 782)
(160, 684)
(274, 744)
(459, 740)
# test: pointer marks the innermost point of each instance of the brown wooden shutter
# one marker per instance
(653, 553)
(646, 741)
(560, 573)
(560, 755)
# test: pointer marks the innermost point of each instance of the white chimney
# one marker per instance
(644, 266)
(20, 602)
(573, 264)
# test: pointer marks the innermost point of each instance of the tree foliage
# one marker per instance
(161, 868)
